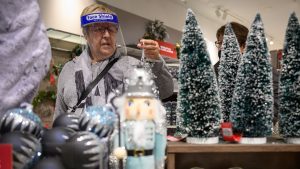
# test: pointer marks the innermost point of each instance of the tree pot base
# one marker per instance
(293, 140)
(207, 140)
(253, 140)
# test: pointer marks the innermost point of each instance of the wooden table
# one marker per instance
(273, 155)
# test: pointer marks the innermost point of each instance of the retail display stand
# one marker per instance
(274, 155)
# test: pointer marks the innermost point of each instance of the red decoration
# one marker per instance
(6, 156)
(228, 134)
(52, 79)
(167, 49)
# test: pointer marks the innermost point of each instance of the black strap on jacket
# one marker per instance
(138, 153)
(94, 83)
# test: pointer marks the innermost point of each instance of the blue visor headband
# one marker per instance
(98, 18)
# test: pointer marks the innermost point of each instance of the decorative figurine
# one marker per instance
(142, 135)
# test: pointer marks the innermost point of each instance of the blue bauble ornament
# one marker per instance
(49, 163)
(99, 120)
(83, 151)
(26, 149)
(53, 140)
(67, 120)
(21, 120)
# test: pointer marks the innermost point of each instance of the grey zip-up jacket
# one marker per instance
(78, 73)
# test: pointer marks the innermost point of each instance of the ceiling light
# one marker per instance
(271, 42)
(218, 12)
(183, 1)
(225, 14)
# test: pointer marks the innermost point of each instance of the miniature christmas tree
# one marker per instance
(229, 63)
(290, 81)
(253, 94)
(198, 102)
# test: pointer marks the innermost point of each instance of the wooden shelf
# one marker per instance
(180, 147)
(274, 155)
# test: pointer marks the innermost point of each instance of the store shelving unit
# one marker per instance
(274, 155)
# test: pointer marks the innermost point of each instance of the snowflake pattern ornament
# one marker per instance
(100, 120)
(84, 150)
(21, 119)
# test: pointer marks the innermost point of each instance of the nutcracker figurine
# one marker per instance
(142, 135)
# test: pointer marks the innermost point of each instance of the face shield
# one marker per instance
(92, 21)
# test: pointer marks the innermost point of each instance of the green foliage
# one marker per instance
(252, 102)
(57, 69)
(155, 30)
(229, 63)
(50, 92)
(290, 81)
(198, 102)
(77, 50)
(42, 96)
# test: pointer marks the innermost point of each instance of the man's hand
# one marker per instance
(150, 47)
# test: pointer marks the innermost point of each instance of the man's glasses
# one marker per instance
(218, 44)
(102, 29)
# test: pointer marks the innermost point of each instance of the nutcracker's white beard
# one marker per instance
(139, 133)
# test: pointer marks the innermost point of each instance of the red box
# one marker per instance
(6, 156)
(167, 49)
